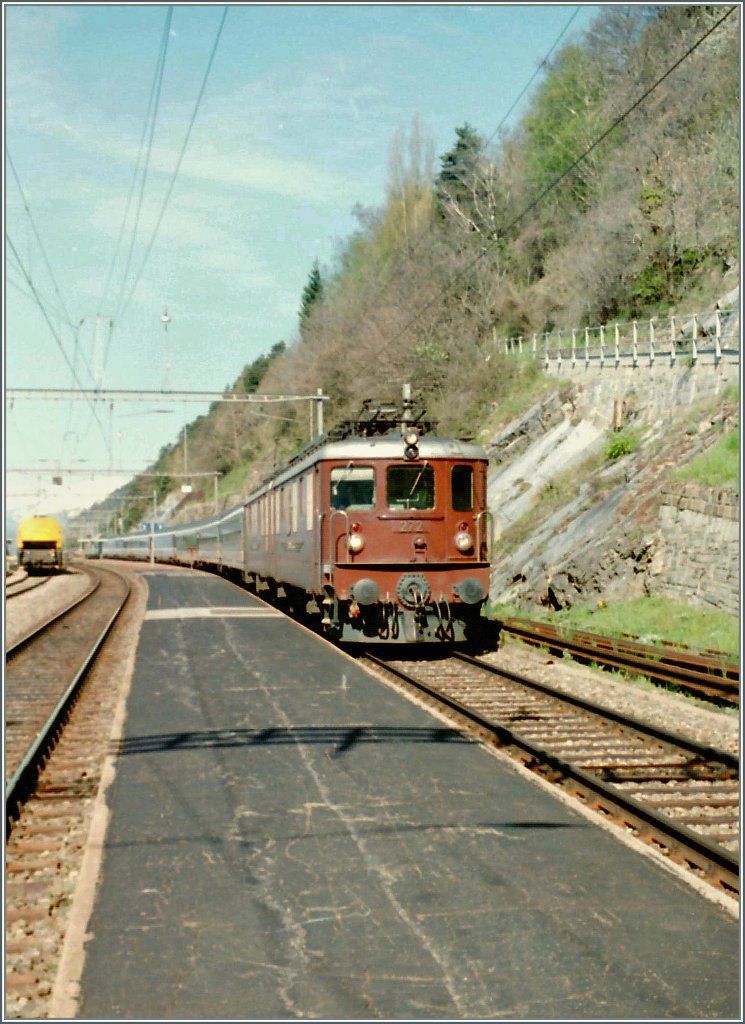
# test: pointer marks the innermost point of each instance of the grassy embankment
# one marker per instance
(719, 467)
(652, 619)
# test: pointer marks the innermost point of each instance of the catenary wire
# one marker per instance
(37, 236)
(44, 303)
(160, 71)
(420, 244)
(178, 164)
(46, 308)
(152, 101)
(497, 235)
(532, 78)
(56, 337)
(71, 405)
(54, 313)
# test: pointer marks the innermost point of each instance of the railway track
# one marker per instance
(39, 628)
(45, 670)
(711, 676)
(676, 795)
(13, 587)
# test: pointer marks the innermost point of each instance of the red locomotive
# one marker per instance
(385, 525)
(380, 529)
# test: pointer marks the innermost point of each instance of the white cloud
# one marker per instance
(198, 225)
(246, 167)
(32, 86)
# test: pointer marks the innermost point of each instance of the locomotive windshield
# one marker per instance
(410, 487)
(462, 488)
(353, 487)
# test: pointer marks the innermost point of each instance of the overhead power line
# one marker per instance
(497, 235)
(151, 116)
(178, 164)
(44, 304)
(56, 337)
(54, 313)
(37, 236)
(532, 78)
(157, 397)
(421, 242)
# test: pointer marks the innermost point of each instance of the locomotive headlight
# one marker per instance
(355, 540)
(463, 540)
(411, 447)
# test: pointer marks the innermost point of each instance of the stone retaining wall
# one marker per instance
(661, 389)
(699, 559)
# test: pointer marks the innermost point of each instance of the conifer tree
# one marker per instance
(459, 167)
(312, 293)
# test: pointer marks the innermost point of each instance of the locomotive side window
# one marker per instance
(294, 490)
(462, 488)
(288, 501)
(410, 487)
(353, 487)
(309, 502)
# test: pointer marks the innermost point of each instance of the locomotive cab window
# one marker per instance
(462, 488)
(410, 487)
(353, 487)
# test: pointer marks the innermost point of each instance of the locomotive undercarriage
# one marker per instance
(436, 622)
(405, 605)
(387, 622)
(37, 558)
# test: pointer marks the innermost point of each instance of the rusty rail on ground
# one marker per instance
(704, 675)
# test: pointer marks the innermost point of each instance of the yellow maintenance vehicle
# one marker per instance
(40, 543)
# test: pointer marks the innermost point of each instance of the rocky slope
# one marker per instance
(574, 526)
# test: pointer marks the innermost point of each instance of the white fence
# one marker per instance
(714, 335)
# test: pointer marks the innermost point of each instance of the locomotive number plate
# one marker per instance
(411, 526)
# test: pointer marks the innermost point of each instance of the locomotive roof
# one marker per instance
(387, 446)
(39, 527)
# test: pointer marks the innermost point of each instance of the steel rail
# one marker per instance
(29, 637)
(23, 779)
(718, 865)
(674, 739)
(717, 663)
(659, 665)
(15, 587)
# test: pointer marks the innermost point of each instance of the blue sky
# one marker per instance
(294, 129)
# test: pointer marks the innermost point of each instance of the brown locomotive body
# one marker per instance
(386, 529)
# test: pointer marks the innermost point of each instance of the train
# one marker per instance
(377, 532)
(40, 544)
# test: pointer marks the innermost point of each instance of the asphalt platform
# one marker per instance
(291, 838)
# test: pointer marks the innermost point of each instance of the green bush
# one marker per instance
(648, 288)
(621, 442)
